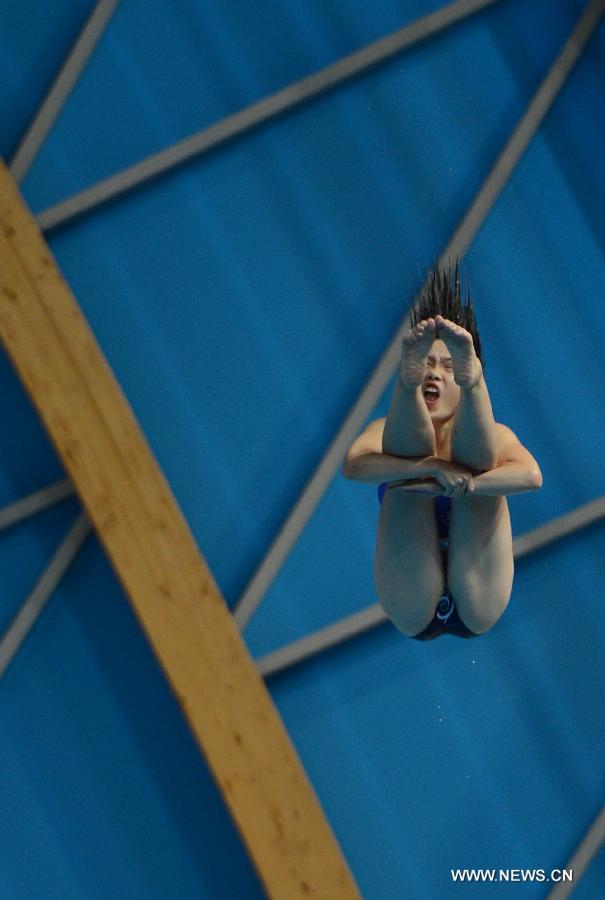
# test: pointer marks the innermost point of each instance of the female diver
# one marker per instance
(444, 558)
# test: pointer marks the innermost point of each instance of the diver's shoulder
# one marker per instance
(505, 434)
(377, 424)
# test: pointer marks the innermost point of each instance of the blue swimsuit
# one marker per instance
(446, 619)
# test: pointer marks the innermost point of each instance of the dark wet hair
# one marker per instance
(441, 295)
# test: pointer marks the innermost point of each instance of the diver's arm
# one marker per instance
(374, 467)
(509, 478)
(516, 470)
(366, 462)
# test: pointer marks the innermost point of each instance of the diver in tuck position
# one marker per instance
(444, 558)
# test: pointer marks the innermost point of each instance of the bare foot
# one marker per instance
(466, 366)
(415, 348)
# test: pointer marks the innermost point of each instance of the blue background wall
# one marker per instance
(243, 301)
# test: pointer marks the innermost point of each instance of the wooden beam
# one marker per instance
(178, 604)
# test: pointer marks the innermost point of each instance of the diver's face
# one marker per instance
(440, 391)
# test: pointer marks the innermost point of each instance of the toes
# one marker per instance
(427, 325)
(452, 330)
(446, 325)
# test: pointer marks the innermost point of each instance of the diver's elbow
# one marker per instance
(347, 469)
(536, 479)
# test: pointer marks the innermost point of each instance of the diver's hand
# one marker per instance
(454, 480)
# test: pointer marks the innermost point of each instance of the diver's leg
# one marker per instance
(480, 559)
(408, 570)
(408, 430)
(474, 439)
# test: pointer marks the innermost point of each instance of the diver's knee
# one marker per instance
(408, 619)
(480, 613)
